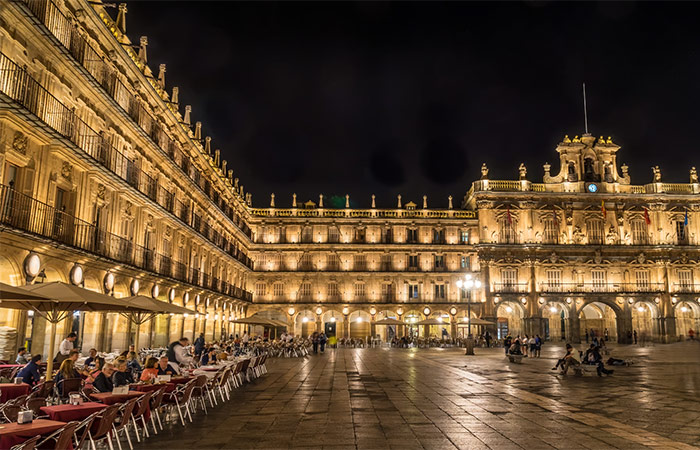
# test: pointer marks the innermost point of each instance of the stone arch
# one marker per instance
(597, 316)
(411, 317)
(645, 320)
(386, 332)
(304, 323)
(359, 322)
(556, 315)
(510, 315)
(12, 274)
(687, 318)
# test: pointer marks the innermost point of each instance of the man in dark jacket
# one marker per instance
(199, 345)
(593, 357)
(30, 373)
(103, 381)
(121, 376)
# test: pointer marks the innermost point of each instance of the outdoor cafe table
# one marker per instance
(66, 413)
(179, 380)
(13, 433)
(9, 391)
(10, 366)
(169, 387)
(109, 399)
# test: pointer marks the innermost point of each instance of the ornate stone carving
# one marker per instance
(67, 170)
(484, 172)
(100, 192)
(693, 175)
(657, 174)
(522, 172)
(20, 143)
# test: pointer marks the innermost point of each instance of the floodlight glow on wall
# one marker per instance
(76, 274)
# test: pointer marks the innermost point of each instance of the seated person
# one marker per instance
(150, 371)
(133, 365)
(121, 376)
(22, 356)
(65, 372)
(90, 360)
(615, 362)
(515, 348)
(593, 357)
(93, 373)
(103, 381)
(562, 362)
(30, 373)
(209, 356)
(164, 367)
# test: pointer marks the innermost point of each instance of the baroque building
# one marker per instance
(108, 183)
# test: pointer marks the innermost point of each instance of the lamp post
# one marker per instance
(470, 285)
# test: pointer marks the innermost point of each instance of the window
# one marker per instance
(594, 230)
(598, 279)
(260, 289)
(387, 292)
(551, 232)
(685, 279)
(641, 278)
(509, 277)
(464, 237)
(278, 289)
(333, 290)
(333, 234)
(307, 235)
(553, 278)
(413, 261)
(412, 291)
(681, 235)
(359, 290)
(305, 291)
(640, 235)
(279, 262)
(507, 231)
(439, 261)
(465, 263)
(333, 262)
(360, 262)
(439, 236)
(306, 262)
(388, 236)
(386, 263)
(412, 235)
(360, 235)
(439, 291)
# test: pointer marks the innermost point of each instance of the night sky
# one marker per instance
(411, 98)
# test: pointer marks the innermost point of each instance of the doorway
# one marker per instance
(329, 329)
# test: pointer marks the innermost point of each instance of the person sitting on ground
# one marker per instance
(616, 362)
(22, 356)
(150, 370)
(121, 376)
(90, 360)
(30, 373)
(561, 362)
(164, 367)
(103, 381)
(209, 356)
(593, 358)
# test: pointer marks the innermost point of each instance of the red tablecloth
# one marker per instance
(10, 366)
(9, 391)
(180, 380)
(66, 413)
(109, 399)
(13, 433)
(169, 387)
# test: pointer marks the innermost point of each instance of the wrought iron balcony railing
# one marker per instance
(21, 212)
(613, 288)
(510, 288)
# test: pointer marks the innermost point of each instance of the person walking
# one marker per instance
(691, 334)
(314, 342)
(199, 345)
(487, 337)
(586, 333)
(538, 345)
(65, 348)
(322, 341)
(634, 334)
(606, 334)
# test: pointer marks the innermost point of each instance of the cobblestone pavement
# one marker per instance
(439, 398)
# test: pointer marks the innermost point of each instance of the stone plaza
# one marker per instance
(438, 398)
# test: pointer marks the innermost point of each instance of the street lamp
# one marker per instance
(469, 284)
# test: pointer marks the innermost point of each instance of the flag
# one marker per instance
(685, 220)
(646, 216)
(508, 217)
(602, 208)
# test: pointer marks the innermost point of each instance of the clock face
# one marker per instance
(592, 188)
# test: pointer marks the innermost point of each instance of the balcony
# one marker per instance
(686, 288)
(16, 83)
(510, 288)
(21, 212)
(611, 288)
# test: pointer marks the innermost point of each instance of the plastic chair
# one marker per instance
(82, 431)
(44, 389)
(180, 398)
(62, 438)
(140, 413)
(34, 405)
(9, 412)
(67, 386)
(156, 403)
(101, 428)
(122, 421)
(200, 384)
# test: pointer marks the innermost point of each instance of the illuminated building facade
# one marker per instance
(107, 183)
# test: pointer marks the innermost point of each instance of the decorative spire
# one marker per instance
(449, 202)
(425, 202)
(188, 111)
(217, 157)
(399, 203)
(161, 76)
(235, 181)
(294, 200)
(198, 131)
(374, 204)
(320, 201)
(230, 175)
(223, 166)
(143, 55)
(272, 200)
(121, 18)
(347, 200)
(175, 98)
(207, 145)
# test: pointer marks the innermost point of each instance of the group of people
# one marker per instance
(318, 340)
(592, 356)
(525, 346)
